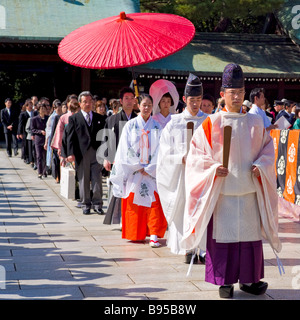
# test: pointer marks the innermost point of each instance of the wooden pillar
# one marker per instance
(85, 79)
(281, 89)
(217, 87)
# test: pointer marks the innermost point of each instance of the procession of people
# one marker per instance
(167, 171)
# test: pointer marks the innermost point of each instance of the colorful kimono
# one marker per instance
(48, 134)
(142, 214)
(297, 124)
(170, 173)
(230, 216)
(58, 135)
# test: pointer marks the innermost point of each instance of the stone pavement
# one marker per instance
(50, 250)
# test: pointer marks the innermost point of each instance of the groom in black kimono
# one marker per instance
(116, 123)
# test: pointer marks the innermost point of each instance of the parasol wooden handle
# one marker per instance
(226, 145)
(136, 89)
(190, 132)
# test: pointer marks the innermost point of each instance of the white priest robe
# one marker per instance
(137, 149)
(170, 173)
(244, 208)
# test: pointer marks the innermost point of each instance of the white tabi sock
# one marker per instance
(153, 237)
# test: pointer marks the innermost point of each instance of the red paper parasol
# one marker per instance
(126, 40)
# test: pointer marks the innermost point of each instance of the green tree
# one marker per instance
(218, 15)
(17, 86)
(163, 6)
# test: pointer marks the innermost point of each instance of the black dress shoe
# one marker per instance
(34, 167)
(202, 259)
(226, 292)
(86, 211)
(188, 258)
(99, 211)
(257, 288)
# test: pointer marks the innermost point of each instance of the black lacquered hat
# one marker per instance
(193, 87)
(233, 76)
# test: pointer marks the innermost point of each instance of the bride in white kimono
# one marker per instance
(165, 101)
(134, 177)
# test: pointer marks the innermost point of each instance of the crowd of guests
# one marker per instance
(35, 124)
(287, 108)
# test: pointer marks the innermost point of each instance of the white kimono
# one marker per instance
(157, 90)
(158, 117)
(170, 173)
(137, 149)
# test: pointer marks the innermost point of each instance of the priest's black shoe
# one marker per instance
(202, 259)
(257, 288)
(86, 211)
(99, 211)
(226, 292)
(188, 257)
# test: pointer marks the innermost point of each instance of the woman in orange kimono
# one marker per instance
(134, 177)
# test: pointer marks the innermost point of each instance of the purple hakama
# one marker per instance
(228, 263)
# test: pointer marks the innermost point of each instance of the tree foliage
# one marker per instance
(218, 15)
(17, 86)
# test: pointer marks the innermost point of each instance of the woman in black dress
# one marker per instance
(38, 131)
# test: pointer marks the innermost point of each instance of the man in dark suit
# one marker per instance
(116, 123)
(282, 109)
(9, 119)
(82, 145)
(22, 134)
